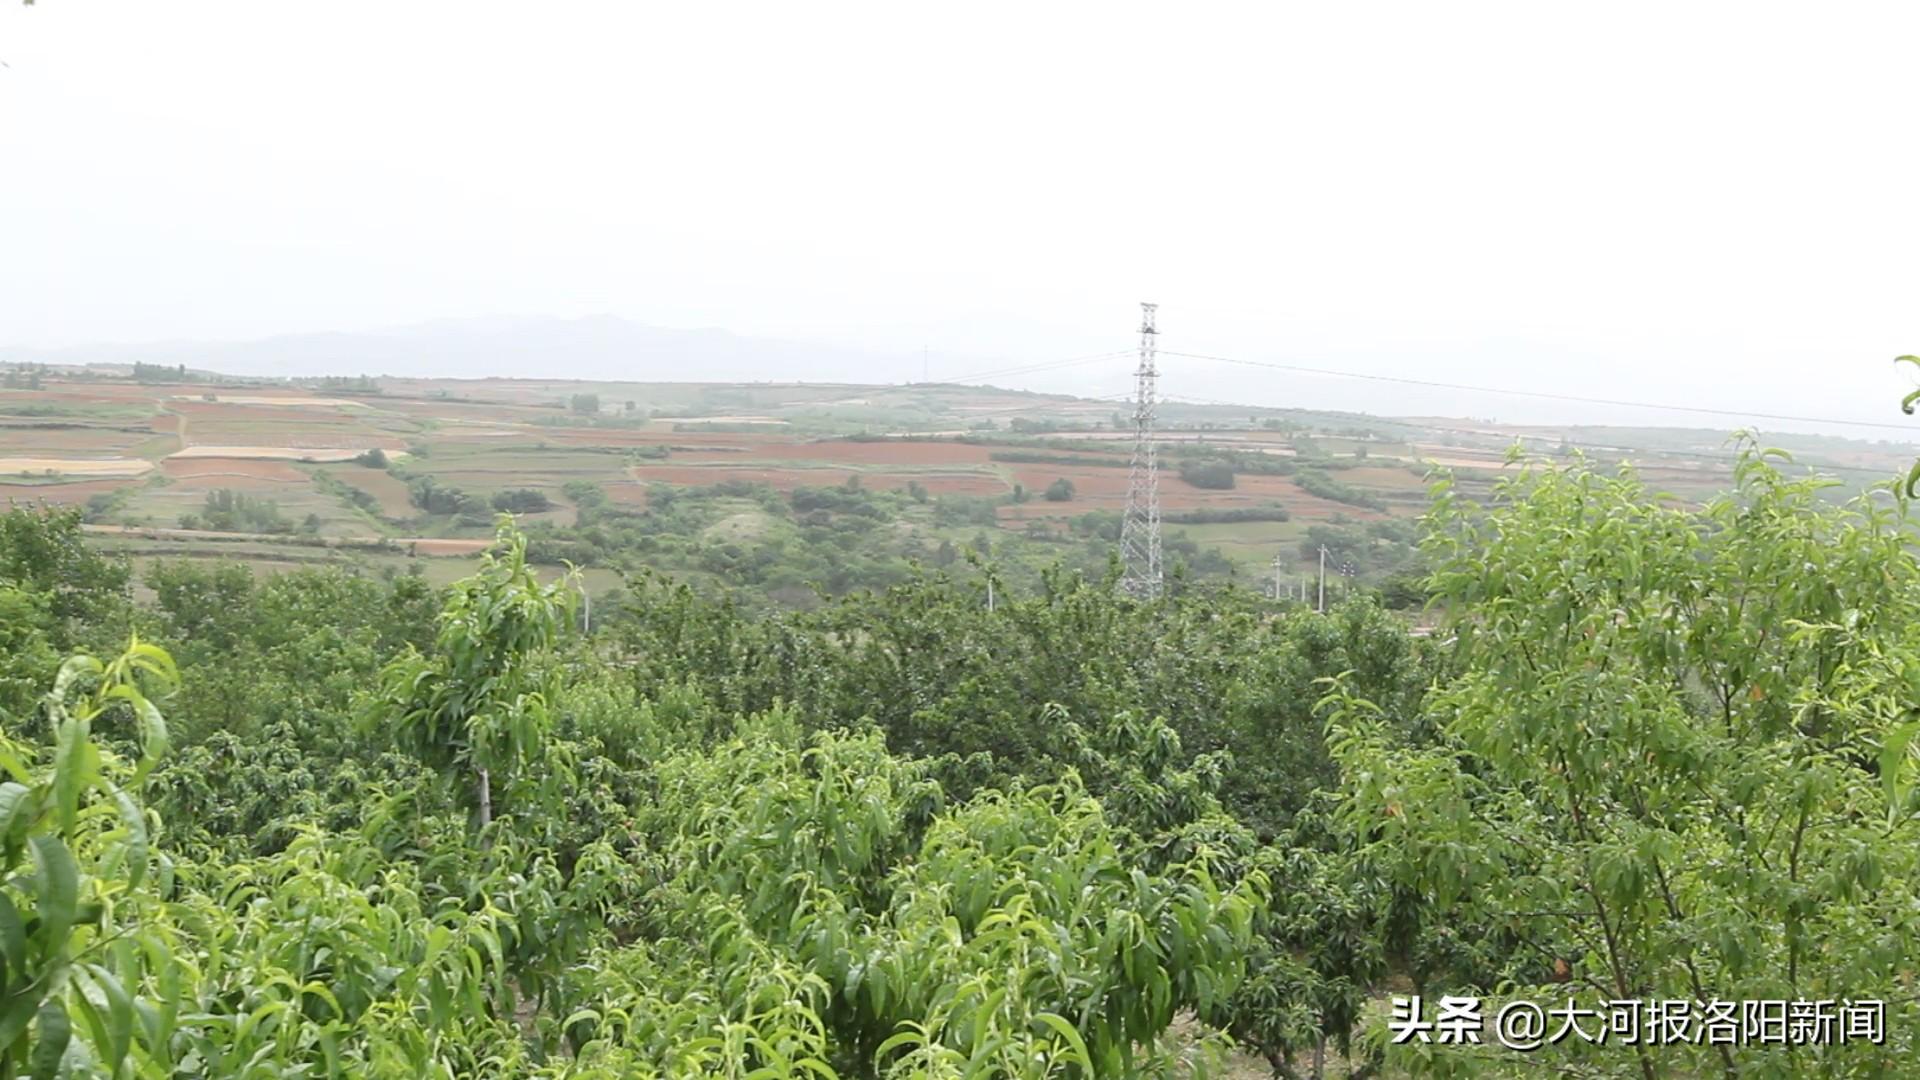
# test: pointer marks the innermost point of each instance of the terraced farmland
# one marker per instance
(152, 455)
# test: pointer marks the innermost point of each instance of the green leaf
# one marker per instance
(18, 807)
(1894, 759)
(58, 881)
(73, 771)
(50, 1046)
(76, 668)
(119, 1017)
(94, 1026)
(154, 738)
(13, 943)
(137, 840)
(16, 1012)
(1066, 1031)
(154, 660)
(15, 768)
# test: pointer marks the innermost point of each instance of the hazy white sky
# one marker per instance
(1695, 203)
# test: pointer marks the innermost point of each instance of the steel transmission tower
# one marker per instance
(1140, 529)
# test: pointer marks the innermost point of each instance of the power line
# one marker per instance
(1434, 383)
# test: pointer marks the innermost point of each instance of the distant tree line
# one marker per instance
(1316, 482)
(23, 377)
(159, 373)
(1227, 515)
(348, 384)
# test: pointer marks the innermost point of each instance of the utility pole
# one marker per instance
(1277, 566)
(1140, 528)
(1322, 605)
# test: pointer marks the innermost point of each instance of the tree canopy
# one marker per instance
(329, 823)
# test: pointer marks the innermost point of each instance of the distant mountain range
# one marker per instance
(594, 347)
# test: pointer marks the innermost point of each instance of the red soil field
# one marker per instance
(502, 437)
(297, 416)
(94, 392)
(779, 479)
(1091, 485)
(887, 452)
(939, 483)
(720, 456)
(60, 494)
(600, 436)
(737, 443)
(74, 442)
(225, 469)
(458, 410)
(741, 440)
(1093, 478)
(1282, 489)
(958, 482)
